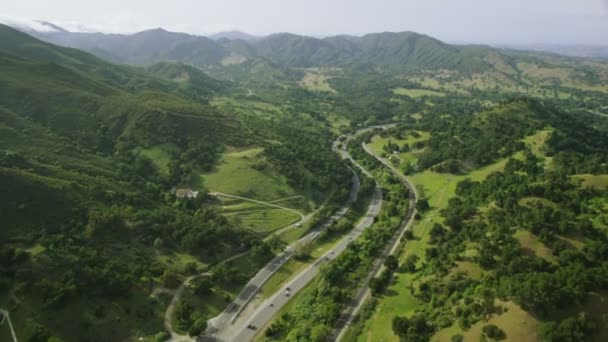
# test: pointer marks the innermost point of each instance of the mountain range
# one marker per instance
(388, 49)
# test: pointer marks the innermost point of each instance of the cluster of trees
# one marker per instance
(303, 153)
(416, 328)
(549, 204)
(380, 283)
(476, 138)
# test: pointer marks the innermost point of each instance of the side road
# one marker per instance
(222, 325)
(350, 312)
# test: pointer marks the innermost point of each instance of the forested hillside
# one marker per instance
(512, 225)
(91, 226)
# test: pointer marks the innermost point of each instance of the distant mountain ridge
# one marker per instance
(234, 35)
(408, 50)
(586, 51)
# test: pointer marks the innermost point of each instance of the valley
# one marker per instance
(386, 187)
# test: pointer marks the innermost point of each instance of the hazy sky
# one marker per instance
(471, 21)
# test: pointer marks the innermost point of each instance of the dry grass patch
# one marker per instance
(594, 181)
(316, 82)
(530, 243)
(471, 269)
(518, 325)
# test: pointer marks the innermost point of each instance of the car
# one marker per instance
(250, 327)
(288, 289)
(271, 305)
(287, 294)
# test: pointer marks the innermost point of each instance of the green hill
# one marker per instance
(192, 80)
(388, 49)
(76, 190)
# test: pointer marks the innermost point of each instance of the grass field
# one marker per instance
(257, 217)
(236, 175)
(471, 269)
(532, 245)
(177, 262)
(596, 181)
(336, 122)
(378, 143)
(517, 323)
(416, 93)
(161, 156)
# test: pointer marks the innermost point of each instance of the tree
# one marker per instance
(436, 233)
(183, 313)
(457, 338)
(198, 327)
(158, 243)
(261, 251)
(410, 263)
(493, 332)
(203, 287)
(169, 279)
(391, 263)
(422, 205)
(412, 329)
(571, 329)
(376, 285)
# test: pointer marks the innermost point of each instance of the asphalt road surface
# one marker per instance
(225, 327)
(349, 313)
(272, 305)
(222, 327)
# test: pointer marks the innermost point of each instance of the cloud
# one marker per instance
(74, 26)
(204, 30)
(27, 24)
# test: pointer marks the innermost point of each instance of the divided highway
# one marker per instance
(230, 326)
(350, 312)
(225, 326)
(222, 327)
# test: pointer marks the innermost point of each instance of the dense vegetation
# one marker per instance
(315, 313)
(537, 192)
(89, 219)
(90, 152)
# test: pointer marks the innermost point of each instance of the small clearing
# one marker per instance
(317, 82)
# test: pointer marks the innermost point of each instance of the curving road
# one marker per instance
(269, 308)
(350, 312)
(226, 327)
(10, 324)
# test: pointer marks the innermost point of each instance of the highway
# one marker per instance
(268, 309)
(228, 326)
(223, 326)
(350, 312)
